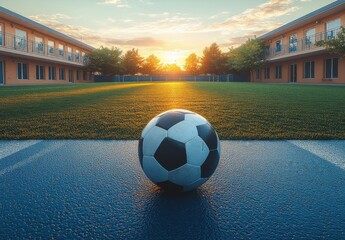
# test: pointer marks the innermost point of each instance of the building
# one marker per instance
(292, 55)
(31, 53)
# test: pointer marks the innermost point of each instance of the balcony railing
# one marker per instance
(303, 45)
(20, 44)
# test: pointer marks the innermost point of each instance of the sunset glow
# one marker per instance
(171, 30)
(174, 57)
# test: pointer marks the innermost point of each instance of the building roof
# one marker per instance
(26, 22)
(309, 18)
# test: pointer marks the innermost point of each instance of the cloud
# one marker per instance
(236, 41)
(60, 16)
(167, 25)
(142, 42)
(117, 3)
(177, 29)
(253, 22)
(155, 15)
(96, 38)
(262, 17)
(146, 2)
(51, 17)
(112, 20)
(219, 14)
(156, 23)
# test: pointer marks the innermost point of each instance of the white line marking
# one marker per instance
(8, 148)
(30, 159)
(332, 151)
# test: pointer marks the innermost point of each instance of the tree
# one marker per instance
(151, 65)
(213, 60)
(335, 45)
(250, 55)
(132, 62)
(192, 64)
(105, 61)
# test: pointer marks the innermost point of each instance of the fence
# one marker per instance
(295, 45)
(37, 48)
(245, 77)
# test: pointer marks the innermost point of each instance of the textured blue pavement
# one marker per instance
(96, 189)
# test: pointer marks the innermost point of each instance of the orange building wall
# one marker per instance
(319, 71)
(10, 72)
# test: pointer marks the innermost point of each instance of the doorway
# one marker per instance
(1, 72)
(70, 75)
(293, 73)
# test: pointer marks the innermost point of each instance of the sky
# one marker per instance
(169, 29)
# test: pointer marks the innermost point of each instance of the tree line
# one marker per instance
(111, 61)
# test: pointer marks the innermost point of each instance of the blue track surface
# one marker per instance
(96, 189)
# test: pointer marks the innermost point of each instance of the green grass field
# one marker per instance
(120, 111)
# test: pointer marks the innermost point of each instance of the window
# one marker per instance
(310, 37)
(267, 73)
(61, 74)
(39, 72)
(77, 57)
(293, 43)
(258, 74)
(83, 56)
(84, 75)
(78, 75)
(279, 45)
(70, 75)
(0, 35)
(331, 67)
(278, 72)
(38, 45)
(51, 47)
(90, 76)
(309, 69)
(69, 53)
(20, 40)
(22, 71)
(332, 28)
(51, 73)
(61, 51)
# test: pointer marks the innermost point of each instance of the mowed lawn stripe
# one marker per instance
(15, 98)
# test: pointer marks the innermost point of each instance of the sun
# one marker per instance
(174, 57)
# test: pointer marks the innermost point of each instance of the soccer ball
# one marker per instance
(179, 150)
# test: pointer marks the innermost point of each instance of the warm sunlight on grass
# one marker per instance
(120, 111)
(33, 96)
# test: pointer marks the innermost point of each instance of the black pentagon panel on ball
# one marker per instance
(210, 164)
(170, 187)
(169, 119)
(140, 151)
(171, 154)
(207, 133)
